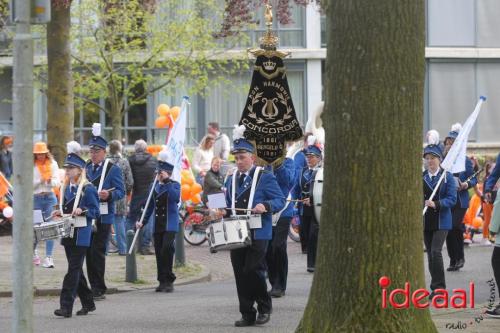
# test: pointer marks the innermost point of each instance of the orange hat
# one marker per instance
(40, 148)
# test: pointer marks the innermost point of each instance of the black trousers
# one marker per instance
(312, 238)
(249, 266)
(434, 241)
(164, 251)
(455, 238)
(96, 257)
(277, 258)
(495, 263)
(74, 281)
(304, 227)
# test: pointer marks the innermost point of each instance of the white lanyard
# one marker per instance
(103, 175)
(77, 197)
(252, 191)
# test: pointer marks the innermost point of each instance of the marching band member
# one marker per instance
(309, 226)
(166, 196)
(77, 188)
(110, 187)
(277, 257)
(455, 237)
(437, 218)
(249, 262)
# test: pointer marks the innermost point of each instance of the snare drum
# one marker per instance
(52, 230)
(229, 234)
(317, 193)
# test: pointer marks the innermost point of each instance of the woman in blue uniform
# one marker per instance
(77, 188)
(437, 219)
(166, 198)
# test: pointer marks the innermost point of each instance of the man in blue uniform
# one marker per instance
(491, 181)
(309, 226)
(166, 198)
(110, 187)
(277, 257)
(455, 237)
(249, 262)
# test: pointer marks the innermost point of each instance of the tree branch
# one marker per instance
(89, 101)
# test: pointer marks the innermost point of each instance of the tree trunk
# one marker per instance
(116, 112)
(371, 223)
(60, 107)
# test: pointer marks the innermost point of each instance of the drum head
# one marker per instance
(317, 193)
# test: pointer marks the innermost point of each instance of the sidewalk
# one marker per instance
(48, 281)
(466, 320)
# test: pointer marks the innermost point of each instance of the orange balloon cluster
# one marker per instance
(190, 190)
(165, 115)
(154, 149)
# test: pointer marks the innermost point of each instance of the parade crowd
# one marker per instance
(453, 216)
(106, 194)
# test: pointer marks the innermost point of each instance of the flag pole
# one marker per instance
(457, 146)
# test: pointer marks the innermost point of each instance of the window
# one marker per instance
(450, 23)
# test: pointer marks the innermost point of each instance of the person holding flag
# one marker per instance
(437, 218)
(166, 196)
(455, 237)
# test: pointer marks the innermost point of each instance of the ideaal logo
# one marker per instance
(420, 297)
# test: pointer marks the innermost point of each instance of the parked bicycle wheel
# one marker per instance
(194, 233)
(293, 232)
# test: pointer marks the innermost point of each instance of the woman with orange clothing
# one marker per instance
(45, 178)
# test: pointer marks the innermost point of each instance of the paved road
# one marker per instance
(212, 307)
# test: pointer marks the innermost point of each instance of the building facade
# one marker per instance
(462, 57)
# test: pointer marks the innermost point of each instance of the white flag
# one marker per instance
(175, 144)
(454, 161)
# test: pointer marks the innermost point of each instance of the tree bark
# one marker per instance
(60, 107)
(371, 224)
(116, 112)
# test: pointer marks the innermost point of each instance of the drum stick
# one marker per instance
(142, 216)
(246, 210)
(295, 200)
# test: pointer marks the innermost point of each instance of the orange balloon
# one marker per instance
(185, 192)
(175, 111)
(196, 188)
(162, 122)
(189, 180)
(196, 199)
(162, 109)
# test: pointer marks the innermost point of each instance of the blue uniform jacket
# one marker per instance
(113, 179)
(463, 196)
(89, 201)
(300, 180)
(285, 176)
(267, 192)
(173, 196)
(446, 197)
(493, 177)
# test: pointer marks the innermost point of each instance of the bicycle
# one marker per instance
(293, 231)
(195, 220)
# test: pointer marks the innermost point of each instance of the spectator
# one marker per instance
(488, 206)
(45, 178)
(115, 149)
(214, 180)
(6, 156)
(143, 166)
(222, 145)
(203, 157)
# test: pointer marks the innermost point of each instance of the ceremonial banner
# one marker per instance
(269, 115)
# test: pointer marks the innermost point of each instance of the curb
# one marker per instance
(204, 276)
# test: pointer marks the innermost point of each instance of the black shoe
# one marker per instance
(98, 295)
(452, 268)
(263, 318)
(277, 293)
(169, 287)
(460, 263)
(310, 269)
(494, 313)
(63, 313)
(244, 323)
(161, 287)
(85, 310)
